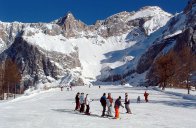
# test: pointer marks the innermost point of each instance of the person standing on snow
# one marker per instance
(82, 102)
(77, 100)
(109, 102)
(103, 103)
(117, 106)
(138, 99)
(146, 96)
(61, 86)
(127, 102)
(87, 102)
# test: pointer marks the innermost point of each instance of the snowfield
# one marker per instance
(54, 109)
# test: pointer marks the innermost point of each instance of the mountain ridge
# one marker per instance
(73, 50)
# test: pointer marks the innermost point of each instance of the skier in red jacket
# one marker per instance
(146, 96)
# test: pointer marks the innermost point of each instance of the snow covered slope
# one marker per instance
(55, 109)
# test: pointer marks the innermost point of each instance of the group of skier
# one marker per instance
(108, 102)
(82, 100)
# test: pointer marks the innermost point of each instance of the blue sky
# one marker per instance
(87, 11)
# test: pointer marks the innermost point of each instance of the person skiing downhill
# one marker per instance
(82, 102)
(77, 100)
(109, 102)
(103, 103)
(127, 102)
(146, 96)
(117, 106)
(87, 102)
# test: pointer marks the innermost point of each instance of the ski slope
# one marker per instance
(54, 109)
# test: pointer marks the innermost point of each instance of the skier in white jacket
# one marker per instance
(82, 102)
(87, 102)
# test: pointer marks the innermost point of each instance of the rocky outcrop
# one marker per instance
(71, 27)
(182, 41)
(189, 6)
(36, 64)
(147, 59)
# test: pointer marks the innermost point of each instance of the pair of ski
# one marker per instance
(96, 115)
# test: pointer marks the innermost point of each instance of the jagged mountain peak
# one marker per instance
(68, 17)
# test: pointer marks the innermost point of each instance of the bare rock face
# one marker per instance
(70, 25)
(189, 6)
(38, 64)
(186, 39)
(147, 59)
(124, 22)
(182, 40)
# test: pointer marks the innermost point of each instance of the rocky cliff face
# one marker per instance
(37, 65)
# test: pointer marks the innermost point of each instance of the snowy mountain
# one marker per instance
(67, 47)
(176, 34)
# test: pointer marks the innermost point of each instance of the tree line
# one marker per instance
(176, 69)
(10, 78)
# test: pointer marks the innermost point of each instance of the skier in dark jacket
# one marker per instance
(77, 100)
(103, 103)
(117, 106)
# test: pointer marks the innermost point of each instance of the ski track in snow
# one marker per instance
(54, 109)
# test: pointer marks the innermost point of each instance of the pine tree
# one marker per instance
(186, 66)
(164, 68)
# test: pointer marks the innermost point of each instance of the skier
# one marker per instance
(127, 102)
(109, 102)
(87, 102)
(117, 106)
(77, 100)
(61, 86)
(67, 88)
(138, 99)
(82, 102)
(103, 103)
(146, 96)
